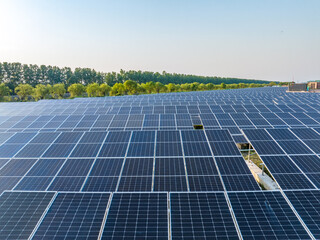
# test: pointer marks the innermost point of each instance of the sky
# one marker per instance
(257, 39)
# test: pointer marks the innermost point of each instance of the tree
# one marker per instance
(41, 91)
(149, 87)
(76, 90)
(171, 87)
(209, 86)
(158, 87)
(4, 91)
(223, 85)
(93, 90)
(131, 87)
(58, 90)
(24, 91)
(104, 89)
(118, 89)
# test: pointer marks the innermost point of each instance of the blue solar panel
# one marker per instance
(205, 183)
(20, 213)
(34, 183)
(66, 184)
(240, 183)
(280, 164)
(170, 183)
(113, 150)
(201, 216)
(224, 149)
(9, 150)
(129, 213)
(76, 167)
(74, 216)
(168, 149)
(106, 167)
(135, 184)
(59, 150)
(86, 150)
(138, 167)
(293, 181)
(307, 204)
(307, 163)
(141, 150)
(32, 150)
(201, 166)
(17, 167)
(196, 149)
(101, 184)
(265, 215)
(169, 166)
(232, 165)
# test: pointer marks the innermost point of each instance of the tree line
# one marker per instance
(13, 74)
(27, 92)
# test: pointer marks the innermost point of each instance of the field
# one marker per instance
(161, 166)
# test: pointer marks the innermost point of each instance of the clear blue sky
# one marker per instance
(261, 39)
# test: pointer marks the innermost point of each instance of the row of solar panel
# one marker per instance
(253, 215)
(131, 174)
(118, 144)
(291, 155)
(61, 109)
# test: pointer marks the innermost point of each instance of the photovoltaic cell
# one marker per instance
(135, 184)
(201, 166)
(170, 183)
(138, 167)
(205, 183)
(101, 184)
(76, 167)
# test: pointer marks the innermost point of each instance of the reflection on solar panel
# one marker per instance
(134, 167)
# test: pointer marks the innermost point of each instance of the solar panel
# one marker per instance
(129, 213)
(20, 213)
(201, 215)
(74, 216)
(265, 215)
(307, 204)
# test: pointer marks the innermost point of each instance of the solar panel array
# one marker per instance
(133, 167)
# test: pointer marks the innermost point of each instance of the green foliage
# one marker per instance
(92, 90)
(131, 87)
(104, 90)
(24, 91)
(118, 89)
(41, 91)
(76, 90)
(58, 90)
(4, 91)
(14, 74)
